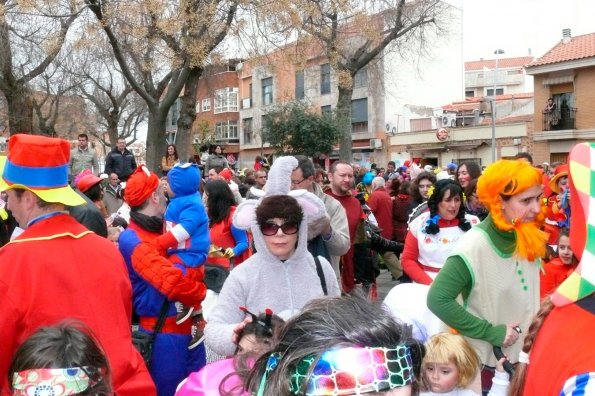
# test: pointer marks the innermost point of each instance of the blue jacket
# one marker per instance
(186, 217)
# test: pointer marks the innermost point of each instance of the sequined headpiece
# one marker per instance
(348, 371)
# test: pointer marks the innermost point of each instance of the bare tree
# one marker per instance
(351, 34)
(158, 45)
(31, 36)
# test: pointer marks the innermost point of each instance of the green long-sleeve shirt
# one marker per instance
(454, 279)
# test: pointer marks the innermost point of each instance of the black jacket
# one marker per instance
(89, 216)
(122, 164)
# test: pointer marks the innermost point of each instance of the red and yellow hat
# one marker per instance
(39, 164)
(561, 171)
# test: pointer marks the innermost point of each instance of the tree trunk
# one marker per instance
(20, 111)
(156, 143)
(344, 122)
(187, 114)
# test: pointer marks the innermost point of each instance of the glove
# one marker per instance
(229, 253)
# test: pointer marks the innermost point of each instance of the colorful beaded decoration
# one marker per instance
(353, 370)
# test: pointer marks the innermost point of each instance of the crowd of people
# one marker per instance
(262, 281)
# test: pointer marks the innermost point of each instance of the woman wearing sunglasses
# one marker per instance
(282, 275)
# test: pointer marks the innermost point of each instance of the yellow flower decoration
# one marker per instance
(430, 191)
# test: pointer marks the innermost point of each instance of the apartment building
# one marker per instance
(508, 75)
(383, 91)
(566, 74)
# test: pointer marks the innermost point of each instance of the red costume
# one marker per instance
(57, 269)
(554, 273)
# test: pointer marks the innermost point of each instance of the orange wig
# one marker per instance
(502, 180)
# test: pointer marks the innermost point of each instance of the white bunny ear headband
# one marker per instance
(279, 183)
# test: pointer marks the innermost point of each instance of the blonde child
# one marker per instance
(450, 366)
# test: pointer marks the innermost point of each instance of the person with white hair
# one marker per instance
(381, 205)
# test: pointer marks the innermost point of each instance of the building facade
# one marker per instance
(566, 74)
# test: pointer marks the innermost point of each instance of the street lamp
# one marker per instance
(497, 53)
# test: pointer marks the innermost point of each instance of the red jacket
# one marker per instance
(57, 269)
(382, 206)
(554, 273)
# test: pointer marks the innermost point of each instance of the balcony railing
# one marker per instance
(559, 119)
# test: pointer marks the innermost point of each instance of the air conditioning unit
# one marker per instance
(246, 103)
(447, 120)
(390, 129)
(376, 143)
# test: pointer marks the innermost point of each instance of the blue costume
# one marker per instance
(187, 224)
(153, 279)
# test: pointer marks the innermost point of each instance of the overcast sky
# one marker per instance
(517, 25)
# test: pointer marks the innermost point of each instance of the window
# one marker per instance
(325, 79)
(267, 91)
(361, 78)
(226, 130)
(226, 100)
(299, 84)
(359, 115)
(197, 108)
(206, 104)
(469, 94)
(174, 112)
(499, 91)
(247, 128)
(326, 110)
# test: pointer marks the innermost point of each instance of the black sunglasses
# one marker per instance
(270, 228)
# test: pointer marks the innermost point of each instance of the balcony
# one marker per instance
(559, 119)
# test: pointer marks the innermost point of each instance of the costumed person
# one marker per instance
(558, 204)
(365, 186)
(227, 241)
(65, 359)
(282, 275)
(326, 350)
(556, 270)
(228, 376)
(158, 283)
(57, 269)
(557, 356)
(90, 185)
(488, 289)
(186, 239)
(450, 366)
(90, 214)
(434, 234)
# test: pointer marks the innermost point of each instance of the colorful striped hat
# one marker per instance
(581, 283)
(39, 164)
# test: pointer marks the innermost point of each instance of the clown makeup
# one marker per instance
(524, 206)
(562, 183)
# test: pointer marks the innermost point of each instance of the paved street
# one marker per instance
(385, 283)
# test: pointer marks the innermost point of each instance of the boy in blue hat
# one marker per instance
(187, 238)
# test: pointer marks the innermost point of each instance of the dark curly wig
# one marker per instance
(279, 206)
(440, 189)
